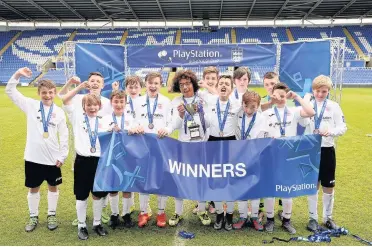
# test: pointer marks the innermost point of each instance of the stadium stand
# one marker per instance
(261, 35)
(363, 36)
(196, 37)
(311, 33)
(34, 47)
(151, 36)
(99, 36)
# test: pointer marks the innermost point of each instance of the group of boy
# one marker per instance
(211, 109)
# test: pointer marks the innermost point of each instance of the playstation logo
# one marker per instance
(163, 56)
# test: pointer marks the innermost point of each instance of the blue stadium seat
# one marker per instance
(196, 37)
(151, 36)
(260, 35)
(32, 49)
(363, 36)
(311, 33)
(100, 36)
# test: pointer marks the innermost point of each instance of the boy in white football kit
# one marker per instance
(281, 121)
(153, 115)
(241, 78)
(85, 125)
(46, 145)
(329, 122)
(222, 116)
(209, 82)
(189, 120)
(118, 121)
(251, 125)
(94, 85)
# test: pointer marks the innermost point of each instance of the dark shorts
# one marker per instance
(227, 138)
(84, 173)
(37, 173)
(327, 167)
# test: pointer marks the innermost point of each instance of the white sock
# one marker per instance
(81, 211)
(328, 201)
(126, 205)
(105, 201)
(230, 207)
(162, 201)
(97, 211)
(255, 207)
(52, 202)
(179, 206)
(313, 206)
(144, 201)
(114, 204)
(131, 199)
(33, 203)
(287, 207)
(219, 207)
(243, 209)
(269, 206)
(201, 206)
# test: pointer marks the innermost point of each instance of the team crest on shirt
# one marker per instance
(126, 123)
(160, 106)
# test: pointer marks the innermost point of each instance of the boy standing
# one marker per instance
(153, 115)
(329, 122)
(44, 154)
(85, 126)
(250, 126)
(281, 121)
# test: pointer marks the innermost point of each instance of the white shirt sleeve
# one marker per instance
(340, 125)
(18, 99)
(63, 139)
(70, 110)
(303, 121)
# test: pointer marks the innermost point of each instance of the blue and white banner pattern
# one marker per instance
(228, 170)
(106, 59)
(301, 62)
(202, 55)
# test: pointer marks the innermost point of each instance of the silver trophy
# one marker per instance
(192, 125)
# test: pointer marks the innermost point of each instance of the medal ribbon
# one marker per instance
(45, 123)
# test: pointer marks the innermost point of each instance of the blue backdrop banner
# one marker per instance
(301, 62)
(228, 170)
(202, 55)
(106, 59)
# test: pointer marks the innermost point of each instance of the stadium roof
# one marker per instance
(171, 10)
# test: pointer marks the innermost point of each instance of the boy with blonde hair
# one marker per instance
(329, 122)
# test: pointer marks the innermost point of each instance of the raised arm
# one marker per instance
(307, 109)
(11, 88)
(66, 99)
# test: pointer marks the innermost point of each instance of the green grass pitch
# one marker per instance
(353, 203)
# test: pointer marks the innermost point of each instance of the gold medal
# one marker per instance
(45, 135)
(92, 150)
(221, 133)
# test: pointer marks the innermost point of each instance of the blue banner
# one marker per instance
(225, 170)
(301, 62)
(106, 59)
(202, 55)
